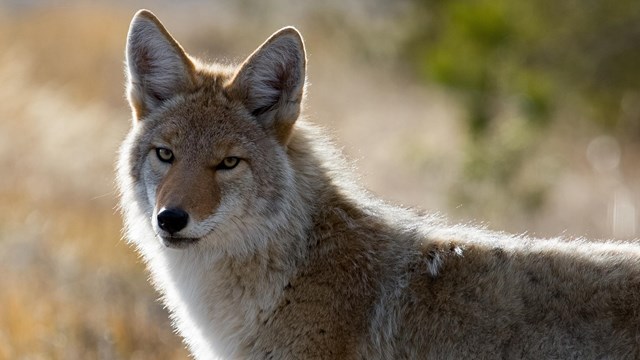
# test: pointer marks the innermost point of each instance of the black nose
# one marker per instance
(172, 220)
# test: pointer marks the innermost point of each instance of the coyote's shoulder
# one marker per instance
(264, 247)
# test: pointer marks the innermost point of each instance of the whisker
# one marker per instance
(112, 192)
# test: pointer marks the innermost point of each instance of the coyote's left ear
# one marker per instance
(271, 82)
(157, 66)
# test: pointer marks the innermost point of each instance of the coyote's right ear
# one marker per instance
(157, 66)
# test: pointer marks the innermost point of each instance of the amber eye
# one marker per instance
(164, 154)
(228, 163)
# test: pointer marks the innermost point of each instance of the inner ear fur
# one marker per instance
(270, 83)
(157, 66)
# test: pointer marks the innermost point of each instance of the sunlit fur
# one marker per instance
(286, 257)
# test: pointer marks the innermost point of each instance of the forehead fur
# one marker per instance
(206, 120)
(207, 110)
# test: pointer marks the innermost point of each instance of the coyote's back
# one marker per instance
(263, 247)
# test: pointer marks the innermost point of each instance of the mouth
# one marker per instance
(175, 242)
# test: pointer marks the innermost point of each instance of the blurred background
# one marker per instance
(519, 116)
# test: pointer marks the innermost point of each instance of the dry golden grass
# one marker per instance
(72, 289)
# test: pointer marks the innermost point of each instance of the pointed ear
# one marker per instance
(271, 82)
(157, 66)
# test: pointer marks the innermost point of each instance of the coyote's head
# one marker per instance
(206, 154)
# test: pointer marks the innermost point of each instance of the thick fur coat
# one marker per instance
(263, 247)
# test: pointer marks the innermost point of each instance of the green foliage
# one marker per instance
(515, 64)
(534, 50)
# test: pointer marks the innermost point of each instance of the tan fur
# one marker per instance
(285, 257)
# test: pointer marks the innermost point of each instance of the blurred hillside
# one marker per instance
(526, 72)
(71, 289)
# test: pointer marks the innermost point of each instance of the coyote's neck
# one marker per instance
(218, 301)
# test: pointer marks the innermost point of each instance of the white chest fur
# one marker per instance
(216, 304)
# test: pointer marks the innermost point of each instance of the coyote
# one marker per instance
(264, 247)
